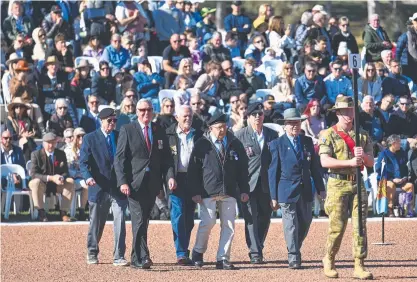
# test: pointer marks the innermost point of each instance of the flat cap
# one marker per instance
(48, 137)
(256, 107)
(217, 118)
(106, 112)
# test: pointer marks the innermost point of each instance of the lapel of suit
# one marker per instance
(252, 136)
(102, 142)
(45, 160)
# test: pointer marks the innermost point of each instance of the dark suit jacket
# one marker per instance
(289, 178)
(87, 123)
(17, 157)
(41, 167)
(95, 163)
(132, 158)
(259, 159)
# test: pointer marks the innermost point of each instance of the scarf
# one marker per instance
(412, 43)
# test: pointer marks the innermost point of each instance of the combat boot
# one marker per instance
(329, 268)
(360, 272)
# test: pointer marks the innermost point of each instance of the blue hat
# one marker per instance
(217, 118)
(256, 107)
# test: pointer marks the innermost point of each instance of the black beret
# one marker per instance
(254, 107)
(217, 118)
(106, 112)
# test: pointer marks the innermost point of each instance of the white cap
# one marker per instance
(319, 8)
(414, 17)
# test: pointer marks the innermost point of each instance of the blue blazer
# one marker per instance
(95, 163)
(288, 177)
(17, 157)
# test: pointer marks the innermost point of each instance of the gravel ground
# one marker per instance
(58, 253)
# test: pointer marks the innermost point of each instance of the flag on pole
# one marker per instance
(381, 195)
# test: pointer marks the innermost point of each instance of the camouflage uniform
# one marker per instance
(342, 194)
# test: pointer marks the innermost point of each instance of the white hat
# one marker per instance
(343, 49)
(319, 8)
(413, 18)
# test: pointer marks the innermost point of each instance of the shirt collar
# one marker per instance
(142, 125)
(93, 114)
(49, 154)
(51, 77)
(180, 131)
(4, 151)
(256, 132)
(104, 132)
(214, 139)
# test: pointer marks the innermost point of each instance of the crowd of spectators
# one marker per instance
(62, 62)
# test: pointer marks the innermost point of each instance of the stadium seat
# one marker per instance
(11, 191)
(261, 93)
(156, 63)
(239, 64)
(272, 69)
(166, 93)
(91, 60)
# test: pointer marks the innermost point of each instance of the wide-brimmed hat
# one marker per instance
(291, 114)
(342, 102)
(17, 101)
(22, 65)
(51, 60)
(13, 58)
(205, 11)
(83, 64)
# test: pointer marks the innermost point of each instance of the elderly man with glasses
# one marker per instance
(397, 83)
(376, 39)
(61, 120)
(117, 56)
(336, 83)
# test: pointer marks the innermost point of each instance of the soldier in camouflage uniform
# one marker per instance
(336, 156)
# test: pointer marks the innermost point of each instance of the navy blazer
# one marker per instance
(95, 163)
(289, 178)
(17, 157)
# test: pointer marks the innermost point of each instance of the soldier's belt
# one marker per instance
(348, 177)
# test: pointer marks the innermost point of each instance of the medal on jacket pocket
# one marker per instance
(160, 144)
(233, 155)
(249, 151)
(174, 150)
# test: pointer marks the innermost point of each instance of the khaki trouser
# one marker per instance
(80, 185)
(38, 188)
(392, 189)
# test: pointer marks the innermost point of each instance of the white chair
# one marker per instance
(11, 191)
(296, 66)
(92, 61)
(166, 93)
(156, 63)
(134, 61)
(261, 93)
(239, 63)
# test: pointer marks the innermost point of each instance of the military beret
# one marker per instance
(106, 112)
(254, 108)
(217, 118)
(48, 137)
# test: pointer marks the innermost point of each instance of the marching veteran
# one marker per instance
(294, 164)
(339, 153)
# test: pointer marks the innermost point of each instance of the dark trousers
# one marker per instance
(98, 216)
(182, 216)
(257, 214)
(296, 220)
(169, 79)
(140, 206)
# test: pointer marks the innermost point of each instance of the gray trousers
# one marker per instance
(296, 219)
(98, 215)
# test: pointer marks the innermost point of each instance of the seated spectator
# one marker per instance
(322, 48)
(239, 24)
(405, 52)
(302, 30)
(239, 120)
(207, 84)
(270, 54)
(370, 83)
(206, 25)
(195, 53)
(62, 53)
(376, 39)
(336, 83)
(316, 57)
(314, 123)
(403, 121)
(332, 26)
(189, 19)
(303, 56)
(166, 117)
(94, 48)
(68, 138)
(52, 85)
(386, 57)
(53, 24)
(11, 154)
(49, 174)
(278, 35)
(214, 50)
(21, 48)
(90, 120)
(229, 81)
(172, 56)
(61, 119)
(344, 35)
(308, 86)
(318, 29)
(396, 83)
(372, 122)
(148, 83)
(185, 69)
(181, 97)
(72, 153)
(200, 115)
(231, 44)
(17, 23)
(40, 49)
(117, 56)
(283, 90)
(386, 109)
(21, 126)
(103, 85)
(396, 173)
(11, 64)
(127, 113)
(251, 81)
(233, 110)
(256, 50)
(80, 82)
(131, 17)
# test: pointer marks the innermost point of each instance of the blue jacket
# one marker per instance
(95, 163)
(334, 87)
(305, 90)
(254, 53)
(288, 177)
(145, 87)
(401, 53)
(395, 164)
(116, 59)
(396, 85)
(231, 21)
(17, 157)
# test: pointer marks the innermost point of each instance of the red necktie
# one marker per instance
(148, 142)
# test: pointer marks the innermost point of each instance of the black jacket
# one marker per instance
(403, 125)
(352, 45)
(88, 123)
(250, 87)
(104, 87)
(228, 88)
(208, 176)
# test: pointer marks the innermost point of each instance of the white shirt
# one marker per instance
(186, 146)
(149, 131)
(48, 155)
(7, 155)
(260, 138)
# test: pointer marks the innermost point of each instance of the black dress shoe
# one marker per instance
(197, 259)
(294, 265)
(225, 264)
(185, 262)
(145, 264)
(257, 260)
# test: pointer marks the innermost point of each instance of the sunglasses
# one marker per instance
(62, 108)
(227, 69)
(105, 69)
(42, 35)
(186, 67)
(169, 106)
(198, 103)
(345, 25)
(129, 106)
(312, 71)
(288, 68)
(110, 120)
(337, 69)
(130, 96)
(257, 42)
(7, 138)
(145, 110)
(79, 136)
(404, 104)
(257, 114)
(94, 102)
(370, 70)
(176, 41)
